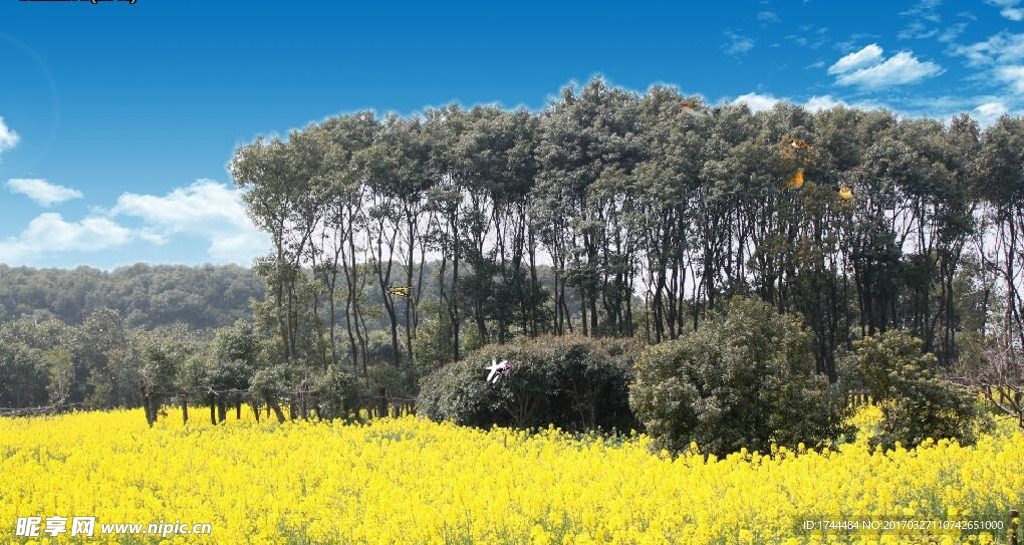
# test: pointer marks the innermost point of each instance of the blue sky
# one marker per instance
(118, 119)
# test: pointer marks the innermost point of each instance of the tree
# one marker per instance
(743, 380)
(587, 153)
(1001, 184)
(916, 403)
(666, 180)
(105, 372)
(160, 356)
(23, 376)
(145, 295)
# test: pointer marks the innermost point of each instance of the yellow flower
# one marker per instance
(411, 481)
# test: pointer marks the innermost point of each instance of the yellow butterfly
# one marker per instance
(796, 180)
(399, 291)
(845, 193)
(689, 105)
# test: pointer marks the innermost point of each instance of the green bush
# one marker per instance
(23, 376)
(916, 403)
(338, 393)
(745, 379)
(575, 383)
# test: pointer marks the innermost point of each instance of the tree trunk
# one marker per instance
(148, 407)
(455, 289)
(273, 404)
(382, 406)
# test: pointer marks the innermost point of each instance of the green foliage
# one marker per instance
(160, 356)
(23, 376)
(575, 383)
(106, 370)
(653, 209)
(235, 355)
(379, 348)
(746, 379)
(916, 403)
(145, 295)
(61, 374)
(432, 345)
(396, 383)
(337, 393)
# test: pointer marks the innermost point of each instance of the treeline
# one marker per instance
(149, 335)
(857, 221)
(102, 363)
(607, 214)
(145, 296)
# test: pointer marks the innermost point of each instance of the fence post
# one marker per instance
(1013, 526)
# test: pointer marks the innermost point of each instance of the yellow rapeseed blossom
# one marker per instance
(410, 481)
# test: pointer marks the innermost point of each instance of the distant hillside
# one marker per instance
(146, 295)
(152, 295)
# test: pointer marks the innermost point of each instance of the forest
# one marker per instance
(655, 197)
(609, 214)
(145, 295)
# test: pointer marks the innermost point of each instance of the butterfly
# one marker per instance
(845, 193)
(800, 144)
(689, 105)
(796, 180)
(399, 291)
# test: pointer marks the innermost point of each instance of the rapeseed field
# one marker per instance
(411, 481)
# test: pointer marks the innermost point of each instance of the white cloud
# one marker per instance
(866, 56)
(8, 138)
(825, 102)
(240, 248)
(1001, 54)
(152, 236)
(49, 234)
(756, 102)
(988, 113)
(849, 44)
(767, 17)
(1010, 9)
(206, 209)
(1013, 14)
(42, 192)
(917, 30)
(1013, 75)
(923, 16)
(952, 32)
(737, 44)
(1000, 48)
(900, 69)
(924, 9)
(763, 102)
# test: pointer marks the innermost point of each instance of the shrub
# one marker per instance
(338, 393)
(574, 383)
(916, 403)
(746, 379)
